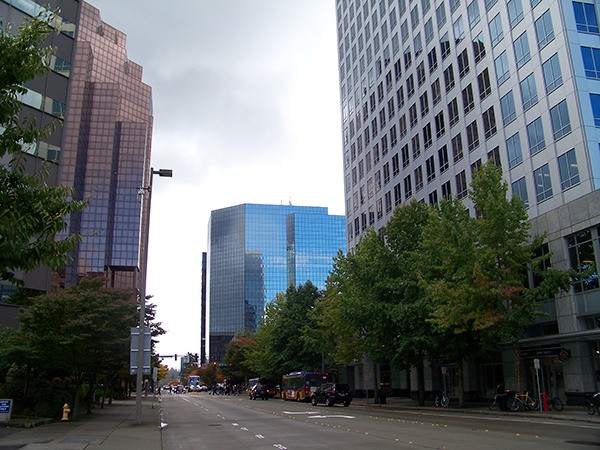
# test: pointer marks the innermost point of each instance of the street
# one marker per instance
(235, 422)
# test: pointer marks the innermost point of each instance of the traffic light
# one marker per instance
(175, 356)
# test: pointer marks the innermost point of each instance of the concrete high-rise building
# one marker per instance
(432, 89)
(256, 251)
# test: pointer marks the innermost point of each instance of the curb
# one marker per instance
(14, 423)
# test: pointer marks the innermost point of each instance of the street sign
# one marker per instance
(536, 364)
(5, 409)
(135, 331)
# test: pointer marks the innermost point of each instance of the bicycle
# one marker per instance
(441, 399)
(592, 404)
(556, 403)
(523, 401)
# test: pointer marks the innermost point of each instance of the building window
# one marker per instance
(489, 4)
(522, 52)
(478, 48)
(473, 13)
(489, 123)
(414, 17)
(457, 148)
(544, 30)
(412, 113)
(421, 73)
(427, 136)
(559, 116)
(591, 62)
(543, 184)
(416, 146)
(440, 126)
(485, 86)
(513, 151)
(440, 15)
(446, 190)
(418, 45)
(405, 156)
(407, 58)
(424, 102)
(402, 125)
(397, 194)
(496, 33)
(494, 156)
(393, 136)
(432, 58)
(400, 96)
(395, 164)
(472, 136)
(507, 107)
(386, 173)
(595, 101)
(552, 74)
(407, 187)
(449, 77)
(429, 30)
(519, 188)
(430, 168)
(445, 45)
(433, 198)
(443, 159)
(463, 63)
(515, 12)
(528, 92)
(585, 17)
(418, 179)
(410, 86)
(461, 185)
(436, 91)
(583, 259)
(475, 167)
(388, 202)
(535, 136)
(502, 69)
(468, 99)
(568, 170)
(453, 113)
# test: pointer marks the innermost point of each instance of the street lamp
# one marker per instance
(144, 273)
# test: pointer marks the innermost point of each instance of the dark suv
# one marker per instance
(332, 393)
(264, 391)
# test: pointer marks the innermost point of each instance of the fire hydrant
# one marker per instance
(66, 411)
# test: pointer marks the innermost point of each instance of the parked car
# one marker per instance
(263, 391)
(332, 393)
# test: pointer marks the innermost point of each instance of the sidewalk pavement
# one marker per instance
(112, 427)
(576, 413)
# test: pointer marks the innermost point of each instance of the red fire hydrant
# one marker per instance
(545, 401)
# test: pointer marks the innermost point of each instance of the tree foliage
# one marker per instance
(31, 212)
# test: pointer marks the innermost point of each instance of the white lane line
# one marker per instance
(336, 416)
(300, 412)
(259, 436)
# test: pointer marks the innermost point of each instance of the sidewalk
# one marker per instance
(576, 413)
(112, 427)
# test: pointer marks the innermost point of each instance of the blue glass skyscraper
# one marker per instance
(256, 251)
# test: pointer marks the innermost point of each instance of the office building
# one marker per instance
(101, 146)
(106, 152)
(432, 89)
(256, 251)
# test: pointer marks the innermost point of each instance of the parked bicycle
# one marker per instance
(441, 399)
(556, 403)
(523, 401)
(592, 404)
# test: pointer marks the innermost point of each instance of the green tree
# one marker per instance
(237, 356)
(82, 332)
(31, 212)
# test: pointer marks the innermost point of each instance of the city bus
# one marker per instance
(193, 383)
(299, 386)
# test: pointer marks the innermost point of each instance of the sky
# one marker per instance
(246, 110)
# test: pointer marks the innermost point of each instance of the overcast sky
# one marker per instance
(246, 110)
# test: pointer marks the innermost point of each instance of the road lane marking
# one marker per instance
(259, 436)
(333, 416)
(300, 412)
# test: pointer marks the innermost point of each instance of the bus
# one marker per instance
(193, 383)
(299, 386)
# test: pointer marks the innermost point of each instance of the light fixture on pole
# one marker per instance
(144, 272)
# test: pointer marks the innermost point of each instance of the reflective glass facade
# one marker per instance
(106, 151)
(256, 251)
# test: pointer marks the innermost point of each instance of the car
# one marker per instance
(332, 393)
(263, 391)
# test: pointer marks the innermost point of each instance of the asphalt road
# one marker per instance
(222, 422)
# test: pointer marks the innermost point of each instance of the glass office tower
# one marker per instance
(106, 152)
(257, 251)
(432, 89)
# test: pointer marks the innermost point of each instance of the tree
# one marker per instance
(236, 358)
(31, 212)
(82, 332)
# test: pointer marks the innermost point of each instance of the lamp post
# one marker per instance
(144, 272)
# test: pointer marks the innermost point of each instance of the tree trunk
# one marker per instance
(460, 382)
(76, 398)
(375, 383)
(90, 396)
(421, 382)
(517, 357)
